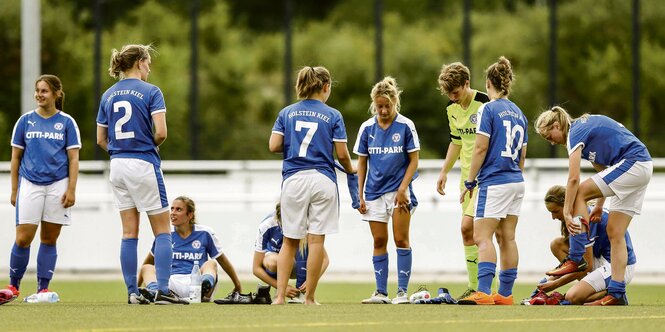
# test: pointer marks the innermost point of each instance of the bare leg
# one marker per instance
(314, 265)
(284, 266)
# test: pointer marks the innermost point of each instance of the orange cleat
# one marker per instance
(477, 298)
(567, 267)
(609, 300)
(502, 300)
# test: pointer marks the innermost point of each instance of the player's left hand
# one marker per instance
(68, 199)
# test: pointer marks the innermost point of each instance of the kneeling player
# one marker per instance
(264, 266)
(593, 246)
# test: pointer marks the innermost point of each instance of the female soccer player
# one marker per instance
(593, 285)
(387, 147)
(266, 249)
(128, 113)
(498, 162)
(624, 169)
(308, 133)
(454, 82)
(191, 242)
(44, 170)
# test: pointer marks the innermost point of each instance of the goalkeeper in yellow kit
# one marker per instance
(454, 82)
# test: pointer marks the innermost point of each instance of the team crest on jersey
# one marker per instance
(473, 118)
(58, 126)
(396, 137)
(196, 244)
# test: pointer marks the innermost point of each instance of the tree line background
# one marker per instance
(241, 61)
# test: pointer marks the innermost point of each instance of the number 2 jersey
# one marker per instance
(126, 109)
(506, 126)
(310, 129)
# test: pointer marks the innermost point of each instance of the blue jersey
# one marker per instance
(605, 141)
(126, 109)
(198, 246)
(506, 126)
(45, 143)
(601, 242)
(270, 237)
(310, 129)
(387, 152)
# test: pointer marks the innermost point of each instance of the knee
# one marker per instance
(558, 246)
(574, 296)
(402, 243)
(270, 263)
(147, 268)
(23, 242)
(380, 242)
(467, 231)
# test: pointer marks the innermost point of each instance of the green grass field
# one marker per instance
(101, 306)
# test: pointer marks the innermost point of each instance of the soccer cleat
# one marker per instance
(169, 298)
(567, 267)
(502, 300)
(445, 296)
(262, 295)
(206, 287)
(300, 299)
(148, 294)
(377, 298)
(477, 298)
(14, 290)
(235, 298)
(401, 298)
(134, 298)
(6, 296)
(466, 293)
(539, 299)
(609, 300)
(555, 298)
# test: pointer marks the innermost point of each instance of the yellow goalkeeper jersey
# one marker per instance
(462, 124)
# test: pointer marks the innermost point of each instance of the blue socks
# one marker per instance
(486, 272)
(46, 258)
(163, 256)
(506, 281)
(381, 273)
(301, 269)
(404, 258)
(129, 263)
(577, 246)
(18, 262)
(617, 288)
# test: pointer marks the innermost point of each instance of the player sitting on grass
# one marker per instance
(594, 245)
(191, 242)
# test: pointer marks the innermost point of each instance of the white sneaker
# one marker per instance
(300, 299)
(376, 298)
(401, 298)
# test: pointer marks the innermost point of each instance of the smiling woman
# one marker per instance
(42, 192)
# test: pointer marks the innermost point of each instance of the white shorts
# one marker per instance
(499, 201)
(138, 184)
(310, 204)
(179, 284)
(381, 209)
(600, 277)
(627, 181)
(35, 203)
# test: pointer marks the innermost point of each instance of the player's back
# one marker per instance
(506, 126)
(127, 109)
(310, 129)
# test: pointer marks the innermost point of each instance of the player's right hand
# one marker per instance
(441, 184)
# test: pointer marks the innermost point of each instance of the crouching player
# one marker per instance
(191, 242)
(594, 247)
(264, 266)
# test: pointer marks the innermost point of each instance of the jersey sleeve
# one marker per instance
(484, 121)
(18, 134)
(214, 246)
(73, 135)
(157, 103)
(263, 236)
(412, 143)
(360, 148)
(454, 138)
(278, 127)
(102, 119)
(339, 130)
(575, 139)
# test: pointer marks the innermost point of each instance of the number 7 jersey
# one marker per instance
(506, 126)
(126, 110)
(310, 129)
